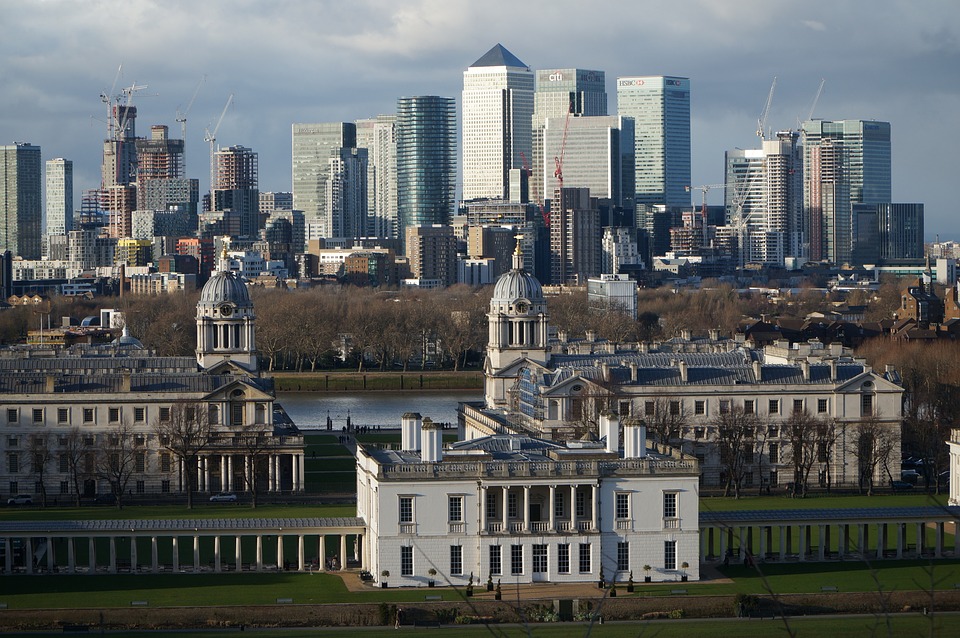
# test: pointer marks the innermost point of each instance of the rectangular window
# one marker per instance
(624, 408)
(13, 463)
(88, 415)
(63, 415)
(585, 558)
(236, 414)
(64, 463)
(674, 408)
(563, 558)
(141, 487)
(558, 504)
(12, 416)
(14, 487)
(516, 559)
(866, 405)
(748, 453)
(491, 505)
(406, 509)
(140, 462)
(164, 462)
(670, 555)
(623, 556)
(724, 406)
(748, 479)
(456, 560)
(38, 415)
(406, 561)
(797, 406)
(581, 503)
(495, 560)
(139, 415)
(773, 406)
(649, 408)
(165, 486)
(821, 406)
(512, 507)
(748, 406)
(64, 487)
(455, 509)
(774, 452)
(13, 441)
(773, 431)
(539, 559)
(669, 504)
(699, 407)
(114, 415)
(622, 505)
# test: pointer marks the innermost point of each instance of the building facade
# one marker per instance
(21, 179)
(497, 108)
(379, 136)
(314, 145)
(660, 107)
(59, 181)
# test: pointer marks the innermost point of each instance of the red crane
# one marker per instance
(563, 147)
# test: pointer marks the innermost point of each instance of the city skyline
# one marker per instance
(357, 61)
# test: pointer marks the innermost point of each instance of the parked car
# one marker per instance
(910, 476)
(20, 499)
(105, 499)
(224, 497)
(900, 486)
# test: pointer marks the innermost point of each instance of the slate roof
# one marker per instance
(499, 56)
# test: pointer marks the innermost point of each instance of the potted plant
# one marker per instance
(630, 583)
(433, 573)
(498, 594)
(613, 590)
(470, 586)
(601, 582)
(646, 573)
(684, 566)
(385, 574)
(489, 583)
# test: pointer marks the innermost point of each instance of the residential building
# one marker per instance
(613, 292)
(426, 161)
(59, 220)
(432, 253)
(573, 512)
(346, 195)
(660, 107)
(21, 179)
(619, 248)
(497, 107)
(379, 136)
(314, 145)
(574, 236)
(236, 187)
(845, 162)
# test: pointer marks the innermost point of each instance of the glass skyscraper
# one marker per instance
(660, 107)
(21, 177)
(845, 162)
(426, 160)
(314, 147)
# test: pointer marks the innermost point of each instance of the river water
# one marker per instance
(309, 410)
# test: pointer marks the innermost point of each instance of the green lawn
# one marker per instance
(784, 502)
(202, 509)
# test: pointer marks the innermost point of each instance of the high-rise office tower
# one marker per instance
(497, 110)
(887, 232)
(660, 107)
(236, 188)
(559, 92)
(379, 136)
(598, 153)
(314, 145)
(346, 195)
(764, 199)
(845, 162)
(59, 197)
(575, 239)
(21, 177)
(160, 173)
(426, 160)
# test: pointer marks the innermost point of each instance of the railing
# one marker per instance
(457, 528)
(408, 528)
(495, 528)
(540, 526)
(671, 523)
(564, 526)
(516, 528)
(584, 526)
(626, 524)
(452, 467)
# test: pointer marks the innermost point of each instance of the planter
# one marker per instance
(613, 593)
(646, 579)
(383, 585)
(683, 578)
(489, 586)
(497, 596)
(430, 583)
(629, 589)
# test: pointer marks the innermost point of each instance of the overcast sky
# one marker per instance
(323, 61)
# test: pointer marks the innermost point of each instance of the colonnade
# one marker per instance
(234, 472)
(522, 523)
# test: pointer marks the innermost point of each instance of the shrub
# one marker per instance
(678, 613)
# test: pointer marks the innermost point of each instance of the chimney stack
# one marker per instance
(410, 424)
(683, 370)
(757, 371)
(634, 439)
(833, 369)
(805, 369)
(432, 441)
(610, 430)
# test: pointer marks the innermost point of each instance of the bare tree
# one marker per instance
(801, 429)
(256, 442)
(873, 445)
(40, 457)
(736, 431)
(76, 446)
(666, 417)
(117, 460)
(184, 430)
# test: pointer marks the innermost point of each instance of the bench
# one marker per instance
(284, 601)
(138, 603)
(433, 597)
(678, 591)
(827, 588)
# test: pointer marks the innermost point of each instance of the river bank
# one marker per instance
(376, 381)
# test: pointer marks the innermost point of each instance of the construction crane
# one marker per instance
(182, 118)
(762, 120)
(212, 139)
(536, 193)
(558, 160)
(737, 219)
(816, 98)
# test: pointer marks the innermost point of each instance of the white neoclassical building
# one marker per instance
(556, 389)
(517, 509)
(55, 400)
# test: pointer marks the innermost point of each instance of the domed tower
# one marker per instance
(518, 328)
(225, 322)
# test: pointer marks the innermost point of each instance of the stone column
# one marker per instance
(113, 555)
(196, 554)
(862, 539)
(526, 509)
(216, 553)
(71, 559)
(595, 506)
(723, 546)
(279, 552)
(483, 509)
(783, 543)
(133, 555)
(239, 553)
(938, 548)
(704, 540)
(49, 554)
(301, 559)
(506, 517)
(901, 528)
(8, 555)
(206, 474)
(223, 473)
(573, 513)
(553, 508)
(802, 532)
(821, 545)
(920, 539)
(761, 532)
(229, 479)
(154, 555)
(322, 554)
(303, 473)
(343, 551)
(91, 555)
(259, 552)
(881, 539)
(272, 469)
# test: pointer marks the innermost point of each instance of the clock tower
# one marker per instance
(225, 322)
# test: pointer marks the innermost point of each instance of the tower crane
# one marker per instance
(182, 118)
(536, 193)
(816, 98)
(762, 120)
(212, 139)
(737, 219)
(558, 160)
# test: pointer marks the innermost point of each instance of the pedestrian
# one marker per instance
(399, 618)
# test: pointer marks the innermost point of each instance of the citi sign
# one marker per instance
(556, 77)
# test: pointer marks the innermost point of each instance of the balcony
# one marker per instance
(625, 524)
(671, 523)
(495, 528)
(457, 528)
(540, 526)
(408, 528)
